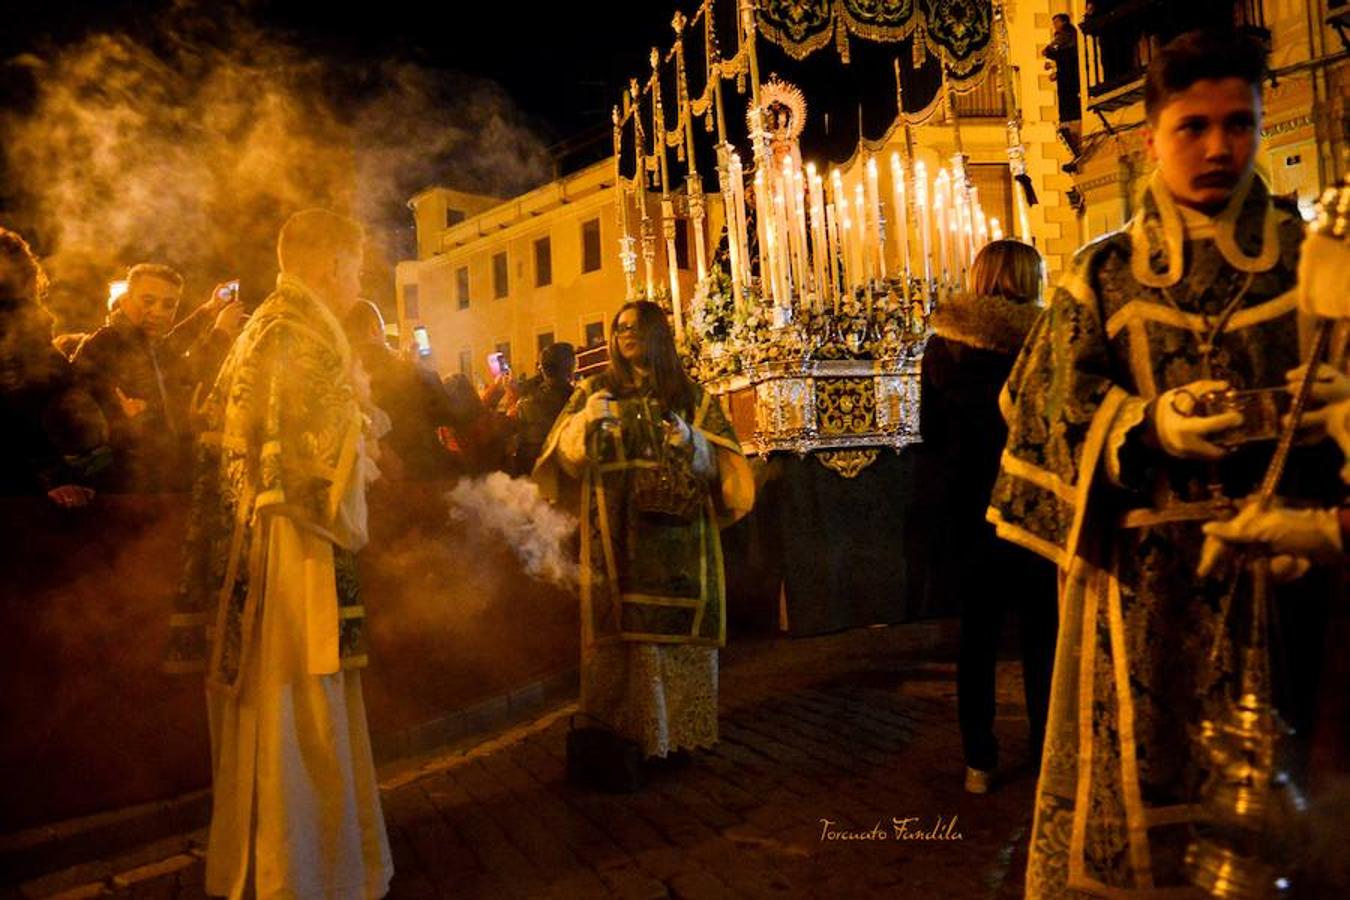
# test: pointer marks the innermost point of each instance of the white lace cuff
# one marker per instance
(571, 450)
(1130, 414)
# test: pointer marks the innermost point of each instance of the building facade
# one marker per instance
(515, 276)
(512, 276)
(1305, 122)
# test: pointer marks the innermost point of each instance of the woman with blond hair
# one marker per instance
(976, 338)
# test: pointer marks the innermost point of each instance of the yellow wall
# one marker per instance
(556, 210)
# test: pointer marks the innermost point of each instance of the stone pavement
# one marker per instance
(822, 739)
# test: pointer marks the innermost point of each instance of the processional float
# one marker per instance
(811, 319)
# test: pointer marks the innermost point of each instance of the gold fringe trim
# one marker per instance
(1131, 413)
(1137, 827)
(1087, 660)
(843, 25)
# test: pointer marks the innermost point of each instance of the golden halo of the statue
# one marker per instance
(787, 96)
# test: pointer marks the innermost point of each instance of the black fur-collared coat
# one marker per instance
(967, 360)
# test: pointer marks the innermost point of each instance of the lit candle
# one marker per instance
(958, 219)
(819, 249)
(764, 229)
(901, 215)
(841, 213)
(832, 252)
(875, 237)
(960, 223)
(925, 225)
(801, 256)
(784, 209)
(941, 187)
(732, 214)
(967, 261)
(803, 228)
(783, 240)
(979, 229)
(846, 241)
(861, 268)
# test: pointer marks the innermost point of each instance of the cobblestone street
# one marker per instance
(845, 733)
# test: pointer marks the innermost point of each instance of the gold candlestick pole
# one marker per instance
(667, 203)
(627, 257)
(647, 230)
(693, 184)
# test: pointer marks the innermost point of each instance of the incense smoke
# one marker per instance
(191, 144)
(513, 509)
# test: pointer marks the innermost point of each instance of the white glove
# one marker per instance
(1322, 265)
(599, 406)
(678, 432)
(1311, 533)
(1330, 385)
(1183, 434)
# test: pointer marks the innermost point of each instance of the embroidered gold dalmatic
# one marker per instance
(646, 578)
(653, 610)
(1138, 313)
(282, 433)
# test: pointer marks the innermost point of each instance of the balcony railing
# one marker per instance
(987, 100)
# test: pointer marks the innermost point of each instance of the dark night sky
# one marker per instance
(563, 64)
(477, 96)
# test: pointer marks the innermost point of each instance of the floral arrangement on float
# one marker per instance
(725, 339)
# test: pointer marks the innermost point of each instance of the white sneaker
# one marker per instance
(978, 781)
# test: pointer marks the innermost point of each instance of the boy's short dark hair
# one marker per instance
(558, 361)
(1197, 56)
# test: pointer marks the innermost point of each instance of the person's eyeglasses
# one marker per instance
(625, 329)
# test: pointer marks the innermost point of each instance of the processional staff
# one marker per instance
(648, 230)
(693, 184)
(1017, 154)
(961, 200)
(901, 172)
(627, 257)
(733, 206)
(667, 204)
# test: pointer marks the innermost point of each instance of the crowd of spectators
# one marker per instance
(115, 410)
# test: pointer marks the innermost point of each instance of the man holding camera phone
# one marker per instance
(1132, 423)
(142, 368)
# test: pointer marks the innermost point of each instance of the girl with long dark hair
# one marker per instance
(660, 469)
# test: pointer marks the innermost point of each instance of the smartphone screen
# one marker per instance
(422, 340)
(497, 364)
(229, 291)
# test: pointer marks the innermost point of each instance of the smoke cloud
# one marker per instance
(513, 509)
(191, 142)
